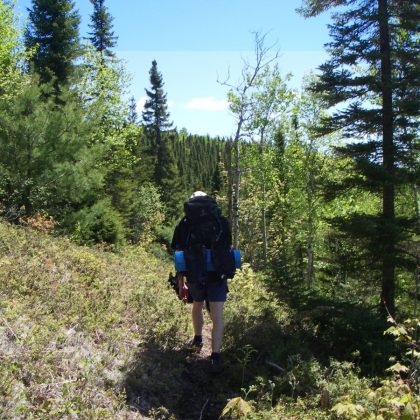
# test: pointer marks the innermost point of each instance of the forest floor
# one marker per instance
(88, 333)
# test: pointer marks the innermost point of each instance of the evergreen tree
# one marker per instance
(361, 74)
(169, 180)
(46, 163)
(102, 36)
(132, 112)
(53, 32)
(156, 118)
(155, 114)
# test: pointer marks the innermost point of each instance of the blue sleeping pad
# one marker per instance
(179, 260)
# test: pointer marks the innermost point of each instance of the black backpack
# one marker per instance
(205, 231)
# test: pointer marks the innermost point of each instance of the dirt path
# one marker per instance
(204, 392)
(179, 383)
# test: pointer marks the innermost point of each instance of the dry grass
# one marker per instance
(71, 319)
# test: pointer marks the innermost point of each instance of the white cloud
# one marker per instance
(208, 103)
(140, 103)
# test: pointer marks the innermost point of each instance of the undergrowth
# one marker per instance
(71, 319)
(86, 333)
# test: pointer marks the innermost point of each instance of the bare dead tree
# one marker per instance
(240, 99)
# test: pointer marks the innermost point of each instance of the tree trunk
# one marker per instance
(230, 182)
(264, 229)
(388, 196)
(264, 193)
(310, 255)
(236, 192)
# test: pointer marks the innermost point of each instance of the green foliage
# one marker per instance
(99, 223)
(72, 321)
(80, 325)
(397, 397)
(253, 314)
(11, 53)
(367, 76)
(46, 162)
(201, 164)
(101, 87)
(155, 114)
(167, 177)
(146, 214)
(102, 36)
(53, 30)
(236, 407)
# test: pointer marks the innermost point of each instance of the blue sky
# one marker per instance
(196, 41)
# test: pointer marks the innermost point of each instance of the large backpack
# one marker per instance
(205, 231)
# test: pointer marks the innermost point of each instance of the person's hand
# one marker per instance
(184, 292)
(182, 287)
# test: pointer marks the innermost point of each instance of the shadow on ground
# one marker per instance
(177, 383)
(335, 328)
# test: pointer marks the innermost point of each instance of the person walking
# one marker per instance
(202, 229)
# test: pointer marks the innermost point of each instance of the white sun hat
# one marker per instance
(198, 194)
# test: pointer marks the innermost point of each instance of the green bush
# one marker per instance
(147, 212)
(99, 223)
(253, 314)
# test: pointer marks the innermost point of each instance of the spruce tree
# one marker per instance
(53, 30)
(102, 35)
(155, 114)
(156, 118)
(132, 112)
(360, 76)
(167, 173)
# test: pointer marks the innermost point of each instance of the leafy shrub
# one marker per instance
(308, 390)
(147, 213)
(99, 223)
(253, 314)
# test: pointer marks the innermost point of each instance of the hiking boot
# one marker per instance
(215, 363)
(197, 343)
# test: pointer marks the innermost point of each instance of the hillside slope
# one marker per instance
(90, 334)
(71, 319)
(93, 334)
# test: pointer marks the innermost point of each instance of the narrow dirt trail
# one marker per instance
(203, 395)
(179, 382)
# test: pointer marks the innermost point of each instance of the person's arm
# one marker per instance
(175, 236)
(227, 233)
(179, 237)
(182, 286)
(177, 244)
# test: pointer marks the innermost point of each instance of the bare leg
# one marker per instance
(197, 317)
(216, 313)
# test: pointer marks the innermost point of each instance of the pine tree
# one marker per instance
(156, 117)
(53, 30)
(45, 155)
(102, 35)
(361, 74)
(132, 112)
(169, 180)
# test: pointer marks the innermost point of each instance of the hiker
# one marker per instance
(201, 229)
